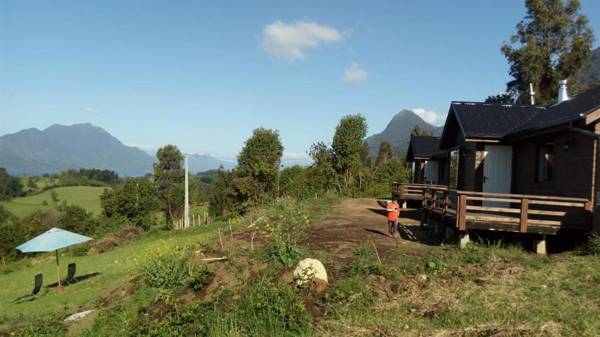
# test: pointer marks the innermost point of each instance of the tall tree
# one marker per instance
(260, 160)
(348, 145)
(169, 177)
(324, 174)
(386, 152)
(134, 199)
(418, 131)
(553, 42)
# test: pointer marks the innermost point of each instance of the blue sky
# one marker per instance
(203, 74)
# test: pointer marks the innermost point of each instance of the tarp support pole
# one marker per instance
(57, 269)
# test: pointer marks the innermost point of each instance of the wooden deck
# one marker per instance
(410, 191)
(502, 212)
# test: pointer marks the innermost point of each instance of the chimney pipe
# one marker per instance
(563, 95)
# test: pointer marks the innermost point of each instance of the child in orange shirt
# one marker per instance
(393, 213)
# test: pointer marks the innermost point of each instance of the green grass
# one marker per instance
(480, 291)
(115, 268)
(87, 197)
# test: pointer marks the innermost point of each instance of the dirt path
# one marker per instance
(354, 221)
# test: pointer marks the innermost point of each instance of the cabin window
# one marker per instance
(545, 162)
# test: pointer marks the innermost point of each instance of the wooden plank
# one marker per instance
(538, 197)
(493, 209)
(492, 218)
(494, 199)
(545, 222)
(549, 213)
(524, 215)
(461, 211)
(557, 203)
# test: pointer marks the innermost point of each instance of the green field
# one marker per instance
(114, 269)
(87, 197)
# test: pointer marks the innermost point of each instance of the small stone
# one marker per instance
(78, 316)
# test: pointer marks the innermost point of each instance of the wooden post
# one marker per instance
(524, 215)
(461, 212)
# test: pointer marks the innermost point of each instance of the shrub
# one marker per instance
(272, 310)
(198, 278)
(285, 224)
(286, 251)
(167, 270)
(593, 245)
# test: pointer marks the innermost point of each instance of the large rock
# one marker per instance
(310, 270)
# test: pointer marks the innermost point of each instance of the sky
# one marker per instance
(203, 74)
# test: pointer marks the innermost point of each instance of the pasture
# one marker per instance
(87, 197)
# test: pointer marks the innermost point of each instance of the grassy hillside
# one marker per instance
(87, 197)
(114, 269)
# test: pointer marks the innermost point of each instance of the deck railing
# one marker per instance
(507, 212)
(410, 191)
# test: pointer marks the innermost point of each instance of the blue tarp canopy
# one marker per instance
(51, 240)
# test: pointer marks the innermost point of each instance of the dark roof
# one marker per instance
(423, 147)
(575, 108)
(496, 121)
(483, 120)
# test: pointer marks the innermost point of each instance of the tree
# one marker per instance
(323, 174)
(169, 177)
(553, 42)
(76, 219)
(10, 186)
(293, 182)
(348, 146)
(386, 152)
(259, 160)
(226, 197)
(134, 199)
(505, 98)
(418, 131)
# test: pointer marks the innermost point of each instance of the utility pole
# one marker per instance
(532, 93)
(186, 209)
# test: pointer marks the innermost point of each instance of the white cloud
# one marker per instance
(92, 111)
(429, 116)
(289, 41)
(355, 74)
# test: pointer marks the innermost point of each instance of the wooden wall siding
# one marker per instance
(466, 167)
(479, 163)
(573, 168)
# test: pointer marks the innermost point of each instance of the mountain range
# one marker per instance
(398, 132)
(61, 147)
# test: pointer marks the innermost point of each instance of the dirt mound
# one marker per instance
(114, 240)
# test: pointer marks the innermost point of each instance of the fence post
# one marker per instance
(524, 215)
(461, 212)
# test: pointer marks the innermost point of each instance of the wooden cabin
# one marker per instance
(529, 169)
(429, 164)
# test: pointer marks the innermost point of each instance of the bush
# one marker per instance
(167, 270)
(198, 278)
(272, 310)
(286, 251)
(593, 245)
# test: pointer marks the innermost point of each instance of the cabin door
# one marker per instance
(497, 171)
(431, 171)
